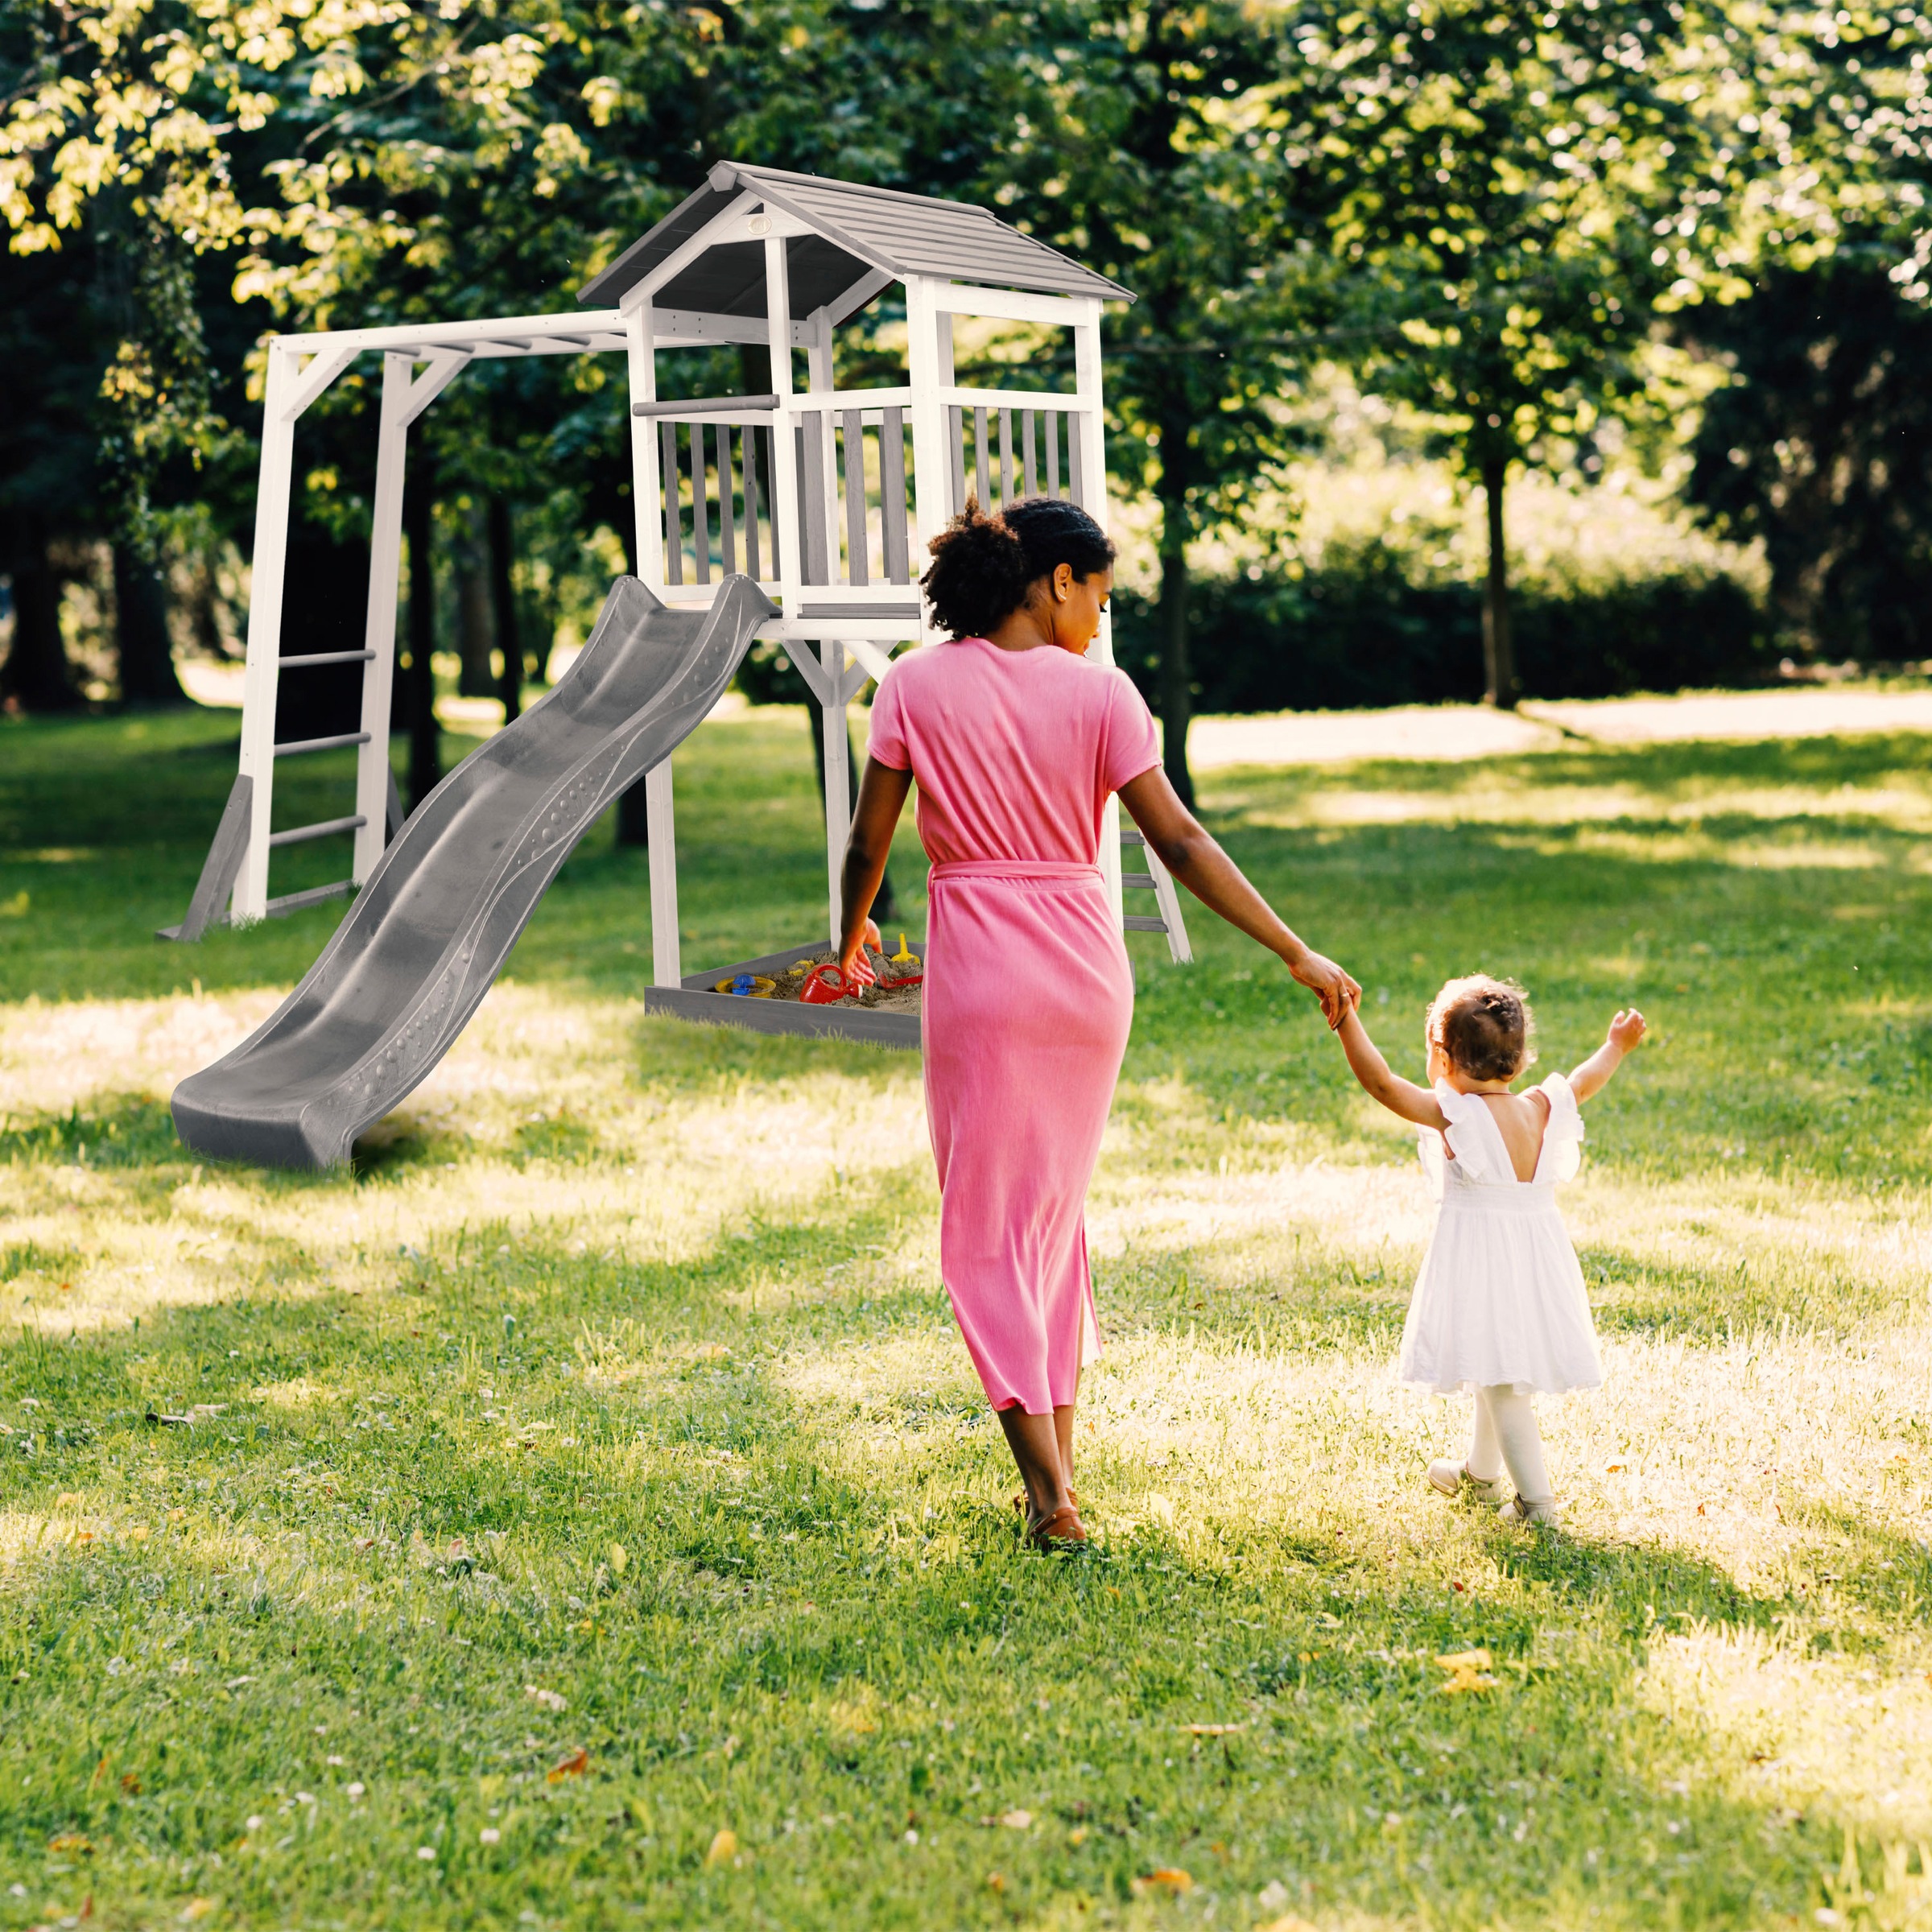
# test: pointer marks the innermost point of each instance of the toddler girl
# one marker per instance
(1500, 1307)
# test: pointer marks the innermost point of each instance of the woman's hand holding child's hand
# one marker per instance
(1336, 989)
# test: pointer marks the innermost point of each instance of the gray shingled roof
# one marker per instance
(857, 229)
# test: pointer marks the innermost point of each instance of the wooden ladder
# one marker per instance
(1159, 880)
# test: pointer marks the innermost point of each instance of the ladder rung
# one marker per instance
(322, 828)
(301, 746)
(1134, 922)
(1138, 882)
(327, 657)
(294, 901)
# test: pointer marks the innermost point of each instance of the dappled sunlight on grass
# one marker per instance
(1791, 1727)
(594, 1467)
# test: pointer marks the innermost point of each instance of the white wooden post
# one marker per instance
(838, 795)
(785, 521)
(646, 481)
(928, 369)
(269, 570)
(379, 631)
(660, 819)
(1089, 427)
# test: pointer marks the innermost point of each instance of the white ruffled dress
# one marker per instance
(1501, 1298)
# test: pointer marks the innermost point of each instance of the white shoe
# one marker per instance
(1544, 1515)
(1453, 1478)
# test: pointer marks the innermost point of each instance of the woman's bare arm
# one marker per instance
(881, 798)
(1189, 852)
(1401, 1097)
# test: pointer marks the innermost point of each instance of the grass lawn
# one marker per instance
(585, 1514)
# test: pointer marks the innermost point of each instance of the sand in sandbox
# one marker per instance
(887, 996)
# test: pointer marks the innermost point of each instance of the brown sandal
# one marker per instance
(1019, 1502)
(1063, 1529)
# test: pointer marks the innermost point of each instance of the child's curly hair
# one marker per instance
(984, 569)
(1483, 1026)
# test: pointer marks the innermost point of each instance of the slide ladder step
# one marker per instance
(323, 829)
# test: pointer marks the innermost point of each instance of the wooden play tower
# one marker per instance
(826, 496)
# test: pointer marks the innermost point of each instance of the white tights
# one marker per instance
(1506, 1436)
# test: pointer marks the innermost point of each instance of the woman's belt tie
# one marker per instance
(1056, 870)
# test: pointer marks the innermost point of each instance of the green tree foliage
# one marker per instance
(1146, 148)
(1516, 191)
(1821, 447)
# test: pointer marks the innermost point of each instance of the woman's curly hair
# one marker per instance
(1484, 1026)
(984, 569)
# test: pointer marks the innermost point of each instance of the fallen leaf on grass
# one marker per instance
(551, 1700)
(1287, 1923)
(196, 1909)
(723, 1847)
(573, 1766)
(1017, 1821)
(995, 1881)
(1212, 1730)
(619, 1558)
(70, 1841)
(1469, 1670)
(130, 1784)
(1169, 1878)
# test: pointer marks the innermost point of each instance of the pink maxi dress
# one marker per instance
(1028, 994)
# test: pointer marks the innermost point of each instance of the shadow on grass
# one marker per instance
(873, 1650)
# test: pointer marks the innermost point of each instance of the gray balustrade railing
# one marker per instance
(1009, 453)
(853, 465)
(714, 481)
(855, 494)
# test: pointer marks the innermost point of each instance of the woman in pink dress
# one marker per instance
(1016, 742)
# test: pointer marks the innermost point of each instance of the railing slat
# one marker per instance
(892, 494)
(674, 522)
(979, 456)
(700, 510)
(750, 453)
(955, 446)
(728, 530)
(1030, 476)
(811, 476)
(1005, 457)
(1052, 454)
(858, 563)
(1077, 467)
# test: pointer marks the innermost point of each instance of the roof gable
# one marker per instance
(856, 229)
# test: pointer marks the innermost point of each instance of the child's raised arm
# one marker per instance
(1401, 1097)
(1626, 1030)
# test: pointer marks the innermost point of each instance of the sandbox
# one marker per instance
(886, 1015)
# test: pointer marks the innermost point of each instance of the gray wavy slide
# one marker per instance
(425, 937)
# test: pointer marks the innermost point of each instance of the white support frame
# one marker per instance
(837, 647)
(260, 678)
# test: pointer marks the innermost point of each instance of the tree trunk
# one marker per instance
(147, 657)
(476, 628)
(885, 903)
(503, 591)
(425, 751)
(36, 675)
(1499, 647)
(1177, 695)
